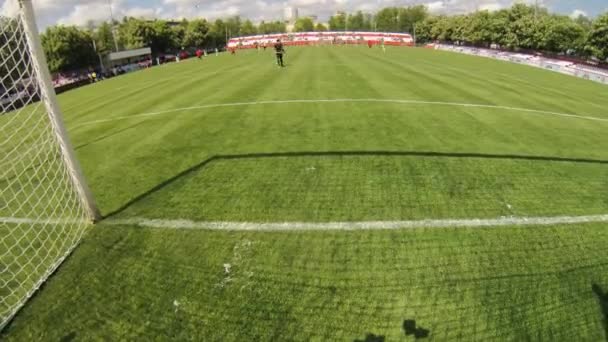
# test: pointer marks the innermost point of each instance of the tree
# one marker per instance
(478, 28)
(597, 42)
(248, 29)
(303, 25)
(278, 27)
(217, 33)
(177, 33)
(12, 52)
(387, 19)
(424, 29)
(104, 38)
(68, 48)
(157, 34)
(338, 22)
(234, 25)
(358, 22)
(563, 35)
(411, 16)
(320, 27)
(271, 27)
(196, 33)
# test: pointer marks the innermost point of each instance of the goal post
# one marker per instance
(50, 101)
(45, 203)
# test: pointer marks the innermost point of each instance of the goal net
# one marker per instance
(45, 206)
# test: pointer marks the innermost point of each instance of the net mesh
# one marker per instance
(41, 215)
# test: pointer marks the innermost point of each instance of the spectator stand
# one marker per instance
(129, 60)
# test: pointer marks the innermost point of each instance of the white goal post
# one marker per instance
(45, 204)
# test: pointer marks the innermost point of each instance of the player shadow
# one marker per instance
(371, 338)
(602, 297)
(195, 168)
(410, 328)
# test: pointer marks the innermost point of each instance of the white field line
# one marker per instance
(416, 102)
(347, 226)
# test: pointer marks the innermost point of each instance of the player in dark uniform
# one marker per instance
(278, 48)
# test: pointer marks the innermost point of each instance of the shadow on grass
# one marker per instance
(109, 135)
(410, 328)
(211, 159)
(602, 297)
(371, 338)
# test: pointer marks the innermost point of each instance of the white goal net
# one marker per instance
(44, 204)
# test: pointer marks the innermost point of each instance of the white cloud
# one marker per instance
(491, 7)
(436, 6)
(9, 8)
(577, 13)
(79, 12)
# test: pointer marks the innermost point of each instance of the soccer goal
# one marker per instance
(45, 205)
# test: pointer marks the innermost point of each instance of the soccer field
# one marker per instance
(352, 195)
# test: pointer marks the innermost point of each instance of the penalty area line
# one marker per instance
(351, 226)
(395, 101)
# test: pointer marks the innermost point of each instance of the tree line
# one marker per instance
(71, 47)
(518, 27)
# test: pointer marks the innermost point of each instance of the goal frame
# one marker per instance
(49, 98)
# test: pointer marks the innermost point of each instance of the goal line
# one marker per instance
(349, 226)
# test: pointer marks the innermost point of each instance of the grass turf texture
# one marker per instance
(318, 162)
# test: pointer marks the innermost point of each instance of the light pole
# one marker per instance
(414, 26)
(112, 26)
(99, 55)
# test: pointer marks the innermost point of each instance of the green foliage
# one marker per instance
(359, 22)
(248, 29)
(218, 33)
(410, 17)
(337, 22)
(196, 33)
(319, 27)
(304, 24)
(68, 48)
(598, 38)
(520, 27)
(103, 38)
(234, 26)
(272, 27)
(386, 20)
(9, 53)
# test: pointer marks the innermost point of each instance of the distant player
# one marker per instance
(199, 53)
(369, 44)
(279, 50)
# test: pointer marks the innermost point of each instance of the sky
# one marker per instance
(79, 12)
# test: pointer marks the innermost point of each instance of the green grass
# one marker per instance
(339, 161)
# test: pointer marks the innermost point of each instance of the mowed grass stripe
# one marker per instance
(359, 186)
(305, 285)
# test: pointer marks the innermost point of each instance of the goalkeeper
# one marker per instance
(279, 50)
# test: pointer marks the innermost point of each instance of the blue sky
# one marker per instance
(79, 12)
